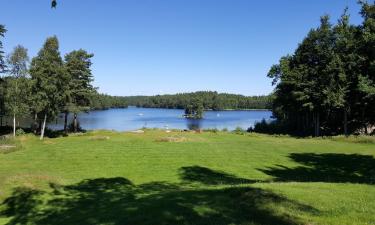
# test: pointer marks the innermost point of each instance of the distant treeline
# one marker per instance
(104, 101)
(210, 101)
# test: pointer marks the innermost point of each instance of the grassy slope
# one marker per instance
(204, 179)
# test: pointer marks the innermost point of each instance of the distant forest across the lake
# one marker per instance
(210, 100)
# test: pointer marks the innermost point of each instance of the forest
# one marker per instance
(210, 100)
(49, 85)
(327, 86)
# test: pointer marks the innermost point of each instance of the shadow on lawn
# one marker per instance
(208, 176)
(337, 168)
(118, 201)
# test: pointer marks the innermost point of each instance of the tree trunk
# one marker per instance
(317, 125)
(14, 125)
(66, 122)
(44, 127)
(75, 124)
(346, 122)
(35, 128)
(40, 125)
(363, 120)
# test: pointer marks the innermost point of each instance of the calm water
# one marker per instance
(135, 118)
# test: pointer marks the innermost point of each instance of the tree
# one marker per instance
(2, 61)
(328, 83)
(2, 70)
(346, 69)
(366, 83)
(195, 109)
(80, 89)
(49, 77)
(17, 85)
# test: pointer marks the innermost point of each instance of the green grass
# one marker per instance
(152, 178)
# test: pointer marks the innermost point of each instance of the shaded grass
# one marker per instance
(223, 178)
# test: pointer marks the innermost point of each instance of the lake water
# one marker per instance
(133, 118)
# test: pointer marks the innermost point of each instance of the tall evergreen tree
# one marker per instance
(329, 79)
(2, 58)
(367, 78)
(2, 69)
(49, 78)
(79, 89)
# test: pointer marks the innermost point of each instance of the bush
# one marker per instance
(213, 130)
(20, 132)
(239, 130)
(273, 127)
(71, 127)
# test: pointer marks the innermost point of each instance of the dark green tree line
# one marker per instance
(210, 101)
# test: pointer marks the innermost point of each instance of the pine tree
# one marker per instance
(79, 89)
(2, 70)
(2, 60)
(49, 77)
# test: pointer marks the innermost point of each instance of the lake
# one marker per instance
(133, 118)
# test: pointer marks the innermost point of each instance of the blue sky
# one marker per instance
(147, 47)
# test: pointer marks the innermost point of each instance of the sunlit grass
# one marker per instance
(155, 177)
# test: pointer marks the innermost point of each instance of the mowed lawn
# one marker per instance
(156, 177)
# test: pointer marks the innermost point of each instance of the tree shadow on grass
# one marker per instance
(336, 168)
(117, 201)
(208, 176)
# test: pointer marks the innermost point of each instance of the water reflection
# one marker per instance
(135, 118)
(194, 124)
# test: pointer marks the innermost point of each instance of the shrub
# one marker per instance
(213, 130)
(239, 130)
(272, 127)
(79, 128)
(20, 132)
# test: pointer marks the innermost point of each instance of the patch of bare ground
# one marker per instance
(172, 139)
(7, 148)
(99, 138)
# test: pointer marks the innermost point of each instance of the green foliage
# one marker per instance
(194, 109)
(17, 96)
(20, 132)
(2, 61)
(49, 78)
(328, 84)
(79, 89)
(17, 85)
(239, 130)
(210, 101)
(104, 101)
(212, 130)
(78, 127)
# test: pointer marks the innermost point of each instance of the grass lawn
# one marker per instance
(156, 178)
